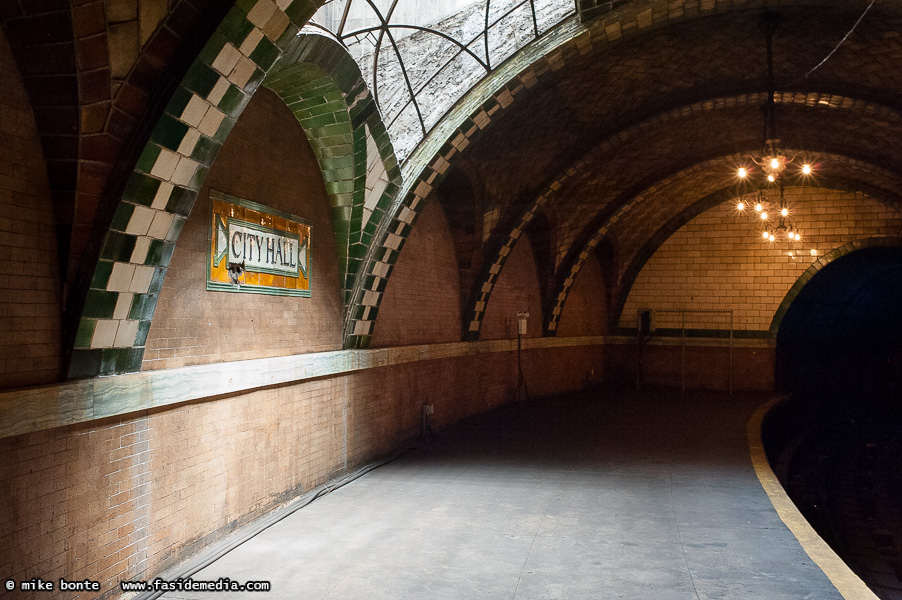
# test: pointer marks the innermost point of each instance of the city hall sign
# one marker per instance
(256, 249)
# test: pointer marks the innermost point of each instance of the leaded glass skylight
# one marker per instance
(420, 57)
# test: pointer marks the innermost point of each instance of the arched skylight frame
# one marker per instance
(418, 69)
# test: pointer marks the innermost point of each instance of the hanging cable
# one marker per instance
(832, 52)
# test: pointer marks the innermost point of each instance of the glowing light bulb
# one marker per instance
(765, 235)
(774, 163)
(806, 169)
(758, 207)
(770, 178)
(784, 212)
(743, 172)
(764, 216)
(740, 206)
(771, 237)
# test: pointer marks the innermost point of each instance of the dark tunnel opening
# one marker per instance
(836, 445)
(840, 342)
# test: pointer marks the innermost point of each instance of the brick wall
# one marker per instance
(266, 159)
(421, 304)
(707, 367)
(517, 290)
(30, 296)
(128, 496)
(725, 265)
(585, 312)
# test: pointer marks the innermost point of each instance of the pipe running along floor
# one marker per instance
(596, 495)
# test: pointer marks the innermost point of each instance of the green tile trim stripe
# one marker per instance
(322, 85)
(35, 409)
(169, 172)
(822, 262)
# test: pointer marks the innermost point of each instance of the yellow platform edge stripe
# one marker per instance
(840, 575)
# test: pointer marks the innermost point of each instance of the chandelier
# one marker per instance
(767, 204)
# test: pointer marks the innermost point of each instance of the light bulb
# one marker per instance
(758, 207)
(770, 178)
(743, 172)
(740, 206)
(764, 216)
(806, 169)
(765, 235)
(770, 237)
(774, 163)
(784, 212)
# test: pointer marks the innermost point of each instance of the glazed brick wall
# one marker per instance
(516, 290)
(585, 312)
(718, 261)
(421, 303)
(30, 293)
(266, 159)
(707, 367)
(129, 496)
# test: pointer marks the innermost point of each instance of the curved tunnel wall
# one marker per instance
(717, 262)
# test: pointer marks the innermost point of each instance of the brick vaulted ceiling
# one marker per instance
(631, 123)
(95, 72)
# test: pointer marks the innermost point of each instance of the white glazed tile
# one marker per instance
(160, 226)
(121, 277)
(165, 165)
(104, 333)
(125, 337)
(123, 305)
(139, 254)
(141, 280)
(140, 220)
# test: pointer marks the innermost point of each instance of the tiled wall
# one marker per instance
(421, 303)
(586, 310)
(30, 299)
(266, 159)
(725, 265)
(131, 23)
(703, 366)
(516, 290)
(128, 496)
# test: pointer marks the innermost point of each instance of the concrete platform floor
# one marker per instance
(598, 495)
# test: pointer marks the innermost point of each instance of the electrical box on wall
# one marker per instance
(646, 322)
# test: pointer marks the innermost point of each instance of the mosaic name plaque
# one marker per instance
(256, 249)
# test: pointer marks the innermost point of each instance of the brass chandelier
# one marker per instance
(767, 205)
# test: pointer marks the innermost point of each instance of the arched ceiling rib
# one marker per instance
(617, 121)
(601, 93)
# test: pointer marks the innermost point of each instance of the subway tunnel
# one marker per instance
(545, 263)
(839, 342)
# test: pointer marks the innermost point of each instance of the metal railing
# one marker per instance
(682, 326)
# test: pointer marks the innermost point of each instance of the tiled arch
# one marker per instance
(632, 270)
(638, 260)
(161, 190)
(476, 112)
(321, 84)
(504, 241)
(822, 262)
